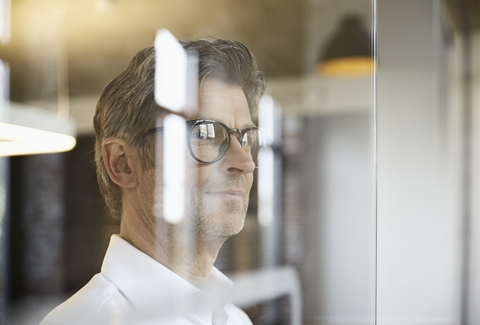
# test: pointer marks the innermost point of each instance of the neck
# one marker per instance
(178, 247)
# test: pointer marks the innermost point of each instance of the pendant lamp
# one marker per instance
(348, 52)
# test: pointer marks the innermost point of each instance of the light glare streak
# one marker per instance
(266, 114)
(20, 140)
(5, 21)
(266, 168)
(174, 168)
(265, 186)
(170, 72)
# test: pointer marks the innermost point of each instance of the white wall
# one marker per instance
(474, 285)
(419, 216)
(339, 254)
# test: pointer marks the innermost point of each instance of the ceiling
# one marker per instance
(79, 45)
(85, 43)
(465, 14)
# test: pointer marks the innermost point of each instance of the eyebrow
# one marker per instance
(160, 128)
(249, 125)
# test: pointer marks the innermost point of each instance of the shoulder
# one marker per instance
(96, 303)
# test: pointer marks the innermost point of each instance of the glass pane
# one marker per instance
(427, 247)
(138, 225)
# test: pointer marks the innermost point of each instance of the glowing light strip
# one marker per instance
(170, 72)
(5, 13)
(27, 130)
(174, 168)
(265, 186)
(20, 140)
(266, 169)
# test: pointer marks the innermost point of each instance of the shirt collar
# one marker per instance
(144, 281)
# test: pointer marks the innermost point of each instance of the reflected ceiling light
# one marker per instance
(176, 74)
(348, 52)
(175, 136)
(266, 161)
(170, 72)
(26, 130)
(103, 5)
(5, 12)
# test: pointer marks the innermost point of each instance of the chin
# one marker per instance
(219, 219)
(231, 231)
(221, 226)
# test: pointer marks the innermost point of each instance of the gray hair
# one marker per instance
(126, 108)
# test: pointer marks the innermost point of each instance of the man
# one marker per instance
(156, 271)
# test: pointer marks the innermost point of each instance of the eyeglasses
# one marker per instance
(209, 140)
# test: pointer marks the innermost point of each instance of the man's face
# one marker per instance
(219, 197)
(217, 193)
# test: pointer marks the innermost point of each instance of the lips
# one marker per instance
(228, 194)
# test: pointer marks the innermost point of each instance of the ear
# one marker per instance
(120, 160)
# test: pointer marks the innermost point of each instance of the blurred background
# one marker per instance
(376, 160)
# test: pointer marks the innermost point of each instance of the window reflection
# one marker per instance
(305, 243)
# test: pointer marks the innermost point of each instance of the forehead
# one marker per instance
(224, 103)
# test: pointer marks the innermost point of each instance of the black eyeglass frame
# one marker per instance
(191, 124)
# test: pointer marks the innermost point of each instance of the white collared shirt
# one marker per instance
(132, 288)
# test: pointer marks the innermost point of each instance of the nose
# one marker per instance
(238, 160)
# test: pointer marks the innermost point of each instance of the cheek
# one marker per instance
(197, 173)
(148, 193)
(195, 179)
(249, 179)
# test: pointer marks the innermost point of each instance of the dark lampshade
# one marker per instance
(348, 52)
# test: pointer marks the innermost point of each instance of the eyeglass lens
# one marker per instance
(209, 141)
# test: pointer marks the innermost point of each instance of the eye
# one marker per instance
(199, 135)
(203, 132)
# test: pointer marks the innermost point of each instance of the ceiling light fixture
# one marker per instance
(348, 52)
(26, 130)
